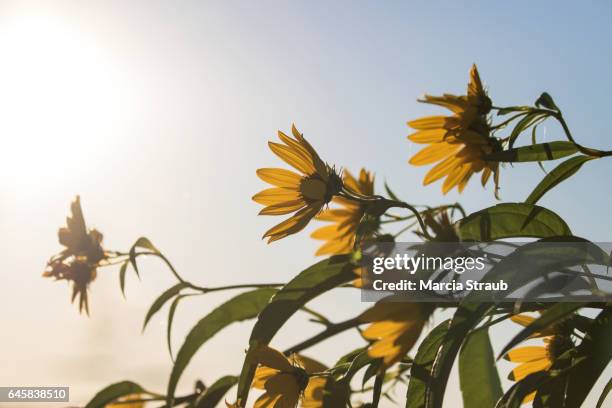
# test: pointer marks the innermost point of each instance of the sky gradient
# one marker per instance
(158, 113)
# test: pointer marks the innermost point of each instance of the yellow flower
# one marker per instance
(395, 328)
(533, 359)
(340, 236)
(83, 253)
(459, 143)
(124, 402)
(305, 193)
(286, 380)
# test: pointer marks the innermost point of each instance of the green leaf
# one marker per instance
(546, 101)
(513, 398)
(536, 152)
(466, 318)
(142, 242)
(560, 173)
(510, 220)
(113, 392)
(310, 283)
(122, 272)
(171, 313)
(337, 386)
(550, 316)
(390, 193)
(597, 348)
(241, 307)
(525, 123)
(480, 384)
(604, 394)
(161, 300)
(213, 394)
(420, 372)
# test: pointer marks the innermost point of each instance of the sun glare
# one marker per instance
(58, 102)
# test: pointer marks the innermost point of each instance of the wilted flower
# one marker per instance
(286, 380)
(533, 359)
(305, 193)
(83, 252)
(459, 143)
(340, 235)
(395, 328)
(441, 226)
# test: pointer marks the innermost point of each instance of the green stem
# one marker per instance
(330, 331)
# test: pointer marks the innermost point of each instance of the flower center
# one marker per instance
(313, 189)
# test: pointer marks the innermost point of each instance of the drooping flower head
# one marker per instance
(304, 193)
(286, 381)
(441, 226)
(395, 328)
(83, 252)
(533, 359)
(340, 235)
(458, 143)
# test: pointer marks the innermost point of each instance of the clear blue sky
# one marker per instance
(158, 114)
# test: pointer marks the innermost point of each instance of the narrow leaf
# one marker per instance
(141, 242)
(597, 348)
(241, 307)
(420, 372)
(480, 384)
(604, 394)
(161, 300)
(536, 152)
(310, 283)
(122, 272)
(113, 392)
(560, 173)
(213, 394)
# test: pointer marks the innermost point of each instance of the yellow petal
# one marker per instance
(428, 122)
(280, 177)
(325, 233)
(526, 354)
(314, 393)
(485, 176)
(263, 374)
(272, 196)
(441, 169)
(529, 398)
(522, 319)
(269, 357)
(475, 86)
(336, 247)
(283, 208)
(294, 224)
(454, 177)
(525, 369)
(429, 136)
(457, 104)
(289, 156)
(433, 153)
(267, 401)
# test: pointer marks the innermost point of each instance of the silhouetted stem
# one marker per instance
(330, 331)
